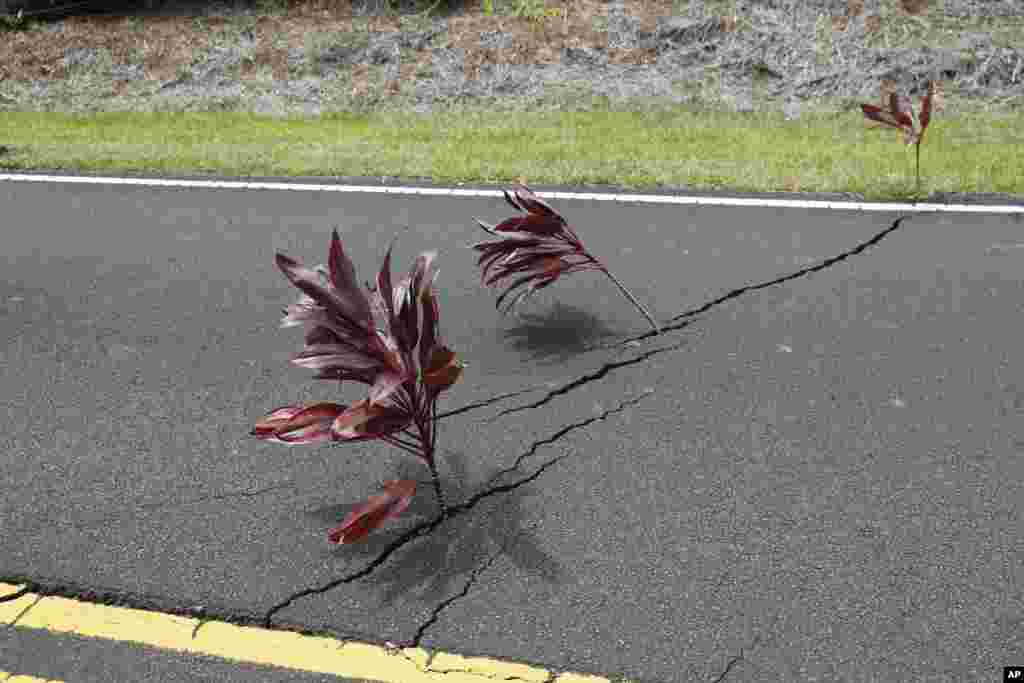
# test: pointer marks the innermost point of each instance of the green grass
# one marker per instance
(974, 152)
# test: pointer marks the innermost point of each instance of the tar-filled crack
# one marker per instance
(684, 319)
(424, 528)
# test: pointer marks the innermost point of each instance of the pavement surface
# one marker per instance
(813, 473)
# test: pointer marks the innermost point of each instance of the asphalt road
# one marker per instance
(814, 480)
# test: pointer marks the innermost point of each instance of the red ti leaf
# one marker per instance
(901, 115)
(384, 289)
(343, 279)
(443, 369)
(388, 341)
(428, 336)
(925, 117)
(294, 425)
(366, 420)
(372, 514)
(876, 113)
(535, 250)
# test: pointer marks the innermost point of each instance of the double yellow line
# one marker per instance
(251, 645)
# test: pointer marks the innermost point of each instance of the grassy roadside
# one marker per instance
(975, 153)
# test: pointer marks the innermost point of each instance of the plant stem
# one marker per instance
(629, 296)
(437, 489)
(429, 432)
(918, 148)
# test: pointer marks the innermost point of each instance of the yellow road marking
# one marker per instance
(7, 677)
(259, 646)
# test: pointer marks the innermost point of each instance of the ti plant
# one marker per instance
(388, 341)
(900, 115)
(536, 249)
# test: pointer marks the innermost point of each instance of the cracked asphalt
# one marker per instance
(813, 472)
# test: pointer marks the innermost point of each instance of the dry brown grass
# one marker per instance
(914, 6)
(571, 25)
(166, 44)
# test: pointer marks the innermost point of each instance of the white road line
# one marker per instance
(458, 192)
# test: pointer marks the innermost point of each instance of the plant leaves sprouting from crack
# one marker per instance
(684, 319)
(424, 528)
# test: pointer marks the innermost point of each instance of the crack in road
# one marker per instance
(585, 379)
(728, 667)
(424, 528)
(436, 614)
(555, 437)
(680, 321)
(740, 291)
(686, 317)
(741, 657)
(490, 401)
(450, 600)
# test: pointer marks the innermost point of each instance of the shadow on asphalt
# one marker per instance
(431, 565)
(557, 334)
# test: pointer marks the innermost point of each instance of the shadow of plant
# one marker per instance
(557, 334)
(434, 566)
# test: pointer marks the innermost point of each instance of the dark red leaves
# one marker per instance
(344, 341)
(443, 369)
(293, 425)
(534, 251)
(386, 338)
(900, 114)
(540, 218)
(374, 512)
(366, 420)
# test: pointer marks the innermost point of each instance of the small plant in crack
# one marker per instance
(535, 250)
(901, 115)
(389, 341)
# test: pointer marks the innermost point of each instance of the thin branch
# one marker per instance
(630, 296)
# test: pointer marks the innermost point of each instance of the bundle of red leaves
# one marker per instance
(900, 115)
(386, 338)
(535, 250)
